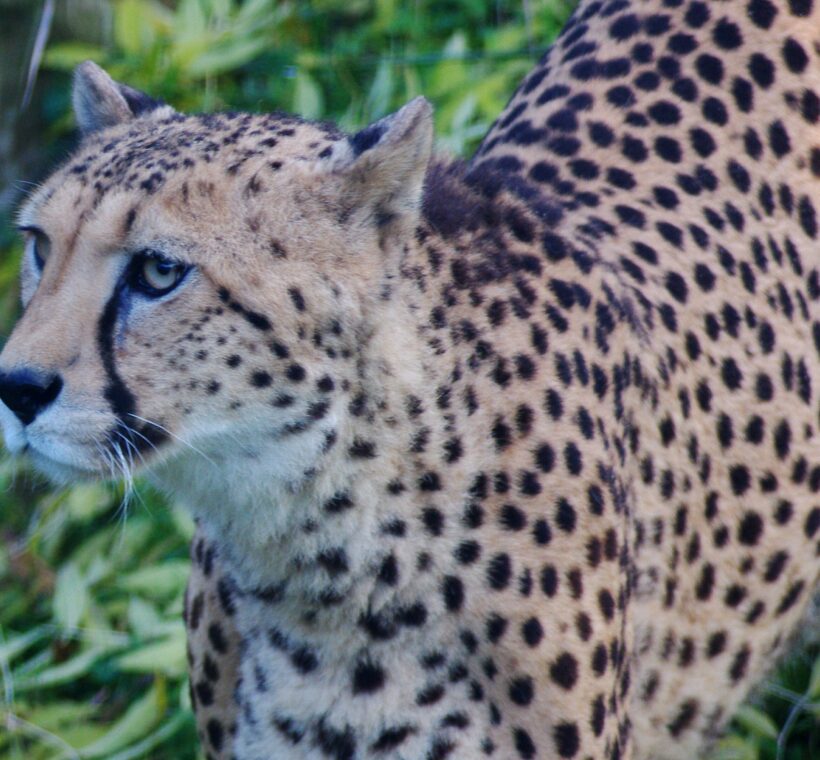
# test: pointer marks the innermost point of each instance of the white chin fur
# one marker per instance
(60, 472)
(14, 435)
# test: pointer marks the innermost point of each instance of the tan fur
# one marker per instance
(522, 466)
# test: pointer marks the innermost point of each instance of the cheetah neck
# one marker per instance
(326, 528)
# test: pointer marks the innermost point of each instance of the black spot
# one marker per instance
(801, 8)
(368, 677)
(607, 604)
(522, 690)
(726, 35)
(779, 139)
(430, 695)
(362, 449)
(812, 522)
(499, 570)
(761, 70)
(683, 720)
(795, 56)
(532, 632)
(564, 671)
(295, 373)
(334, 561)
(392, 737)
(297, 298)
(261, 379)
(739, 664)
(389, 570)
(572, 458)
(412, 616)
(452, 590)
(304, 660)
(336, 744)
(762, 13)
(567, 740)
(565, 516)
(750, 529)
(709, 68)
(338, 503)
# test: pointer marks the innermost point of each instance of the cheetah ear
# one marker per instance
(383, 167)
(100, 102)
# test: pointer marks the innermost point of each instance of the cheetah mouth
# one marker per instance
(69, 448)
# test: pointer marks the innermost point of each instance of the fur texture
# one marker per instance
(512, 458)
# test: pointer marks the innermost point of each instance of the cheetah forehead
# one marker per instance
(144, 155)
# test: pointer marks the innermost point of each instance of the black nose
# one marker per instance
(27, 392)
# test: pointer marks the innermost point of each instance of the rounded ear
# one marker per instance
(100, 102)
(383, 167)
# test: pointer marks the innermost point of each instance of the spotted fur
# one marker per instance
(504, 458)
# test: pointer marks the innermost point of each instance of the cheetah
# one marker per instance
(508, 457)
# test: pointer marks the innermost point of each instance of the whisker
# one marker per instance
(131, 446)
(175, 437)
(133, 431)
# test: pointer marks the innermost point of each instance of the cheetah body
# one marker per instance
(513, 458)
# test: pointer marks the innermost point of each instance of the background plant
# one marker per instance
(92, 648)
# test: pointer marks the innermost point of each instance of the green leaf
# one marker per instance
(64, 56)
(132, 30)
(162, 734)
(166, 656)
(158, 581)
(253, 10)
(87, 500)
(756, 722)
(18, 644)
(225, 57)
(307, 97)
(814, 680)
(183, 522)
(53, 716)
(143, 618)
(70, 596)
(142, 716)
(64, 672)
(734, 748)
(380, 96)
(190, 22)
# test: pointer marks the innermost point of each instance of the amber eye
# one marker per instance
(38, 246)
(155, 274)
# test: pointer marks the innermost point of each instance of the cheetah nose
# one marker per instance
(28, 392)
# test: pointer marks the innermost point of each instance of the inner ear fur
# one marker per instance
(382, 172)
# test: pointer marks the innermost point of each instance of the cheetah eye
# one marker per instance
(38, 246)
(155, 275)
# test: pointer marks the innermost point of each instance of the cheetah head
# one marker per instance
(197, 289)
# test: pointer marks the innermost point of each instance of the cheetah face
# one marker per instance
(197, 290)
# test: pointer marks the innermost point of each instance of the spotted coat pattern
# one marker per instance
(535, 446)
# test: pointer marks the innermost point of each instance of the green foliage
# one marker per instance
(352, 62)
(92, 648)
(92, 645)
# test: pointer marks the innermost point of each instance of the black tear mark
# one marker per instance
(116, 393)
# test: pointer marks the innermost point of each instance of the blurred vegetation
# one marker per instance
(92, 647)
